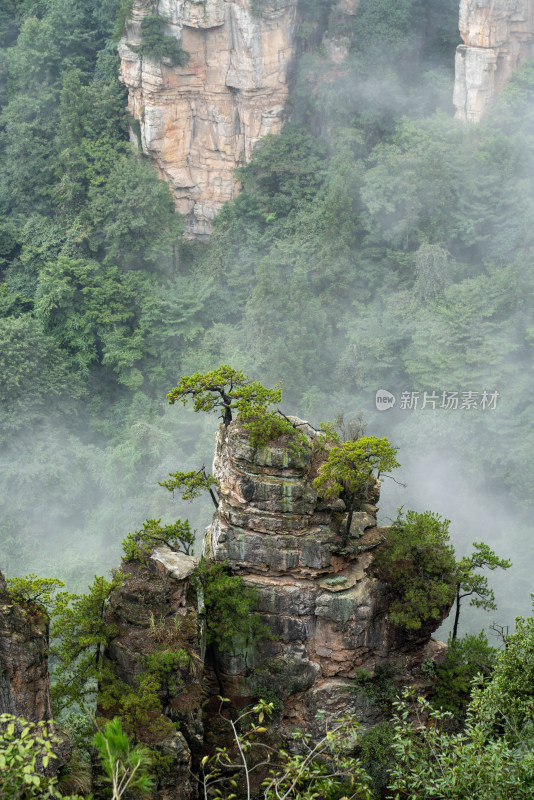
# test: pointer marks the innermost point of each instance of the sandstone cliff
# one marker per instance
(24, 678)
(498, 37)
(200, 121)
(328, 612)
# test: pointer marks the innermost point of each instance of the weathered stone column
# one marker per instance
(201, 121)
(498, 37)
(325, 607)
(24, 677)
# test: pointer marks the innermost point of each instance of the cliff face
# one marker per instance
(328, 612)
(24, 678)
(498, 37)
(199, 122)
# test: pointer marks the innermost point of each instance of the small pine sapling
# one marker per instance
(192, 484)
(351, 471)
(178, 536)
(470, 584)
(126, 767)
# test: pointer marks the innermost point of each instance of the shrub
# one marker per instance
(26, 749)
(177, 535)
(433, 764)
(228, 604)
(381, 688)
(155, 44)
(269, 695)
(417, 564)
(376, 755)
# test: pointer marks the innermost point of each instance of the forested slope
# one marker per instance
(377, 243)
(94, 309)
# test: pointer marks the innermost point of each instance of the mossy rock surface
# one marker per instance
(285, 676)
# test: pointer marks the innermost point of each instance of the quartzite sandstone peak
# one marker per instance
(328, 612)
(201, 121)
(498, 37)
(198, 122)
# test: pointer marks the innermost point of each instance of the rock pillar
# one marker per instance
(498, 37)
(201, 121)
(24, 678)
(326, 608)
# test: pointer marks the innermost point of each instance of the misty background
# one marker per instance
(377, 244)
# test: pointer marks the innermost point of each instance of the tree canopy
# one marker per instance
(351, 470)
(418, 566)
(471, 584)
(230, 390)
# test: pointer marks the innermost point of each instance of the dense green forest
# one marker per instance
(377, 244)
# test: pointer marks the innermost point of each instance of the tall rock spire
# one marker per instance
(498, 37)
(326, 608)
(200, 121)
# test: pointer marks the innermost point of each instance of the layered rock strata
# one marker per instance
(327, 611)
(498, 37)
(200, 121)
(24, 677)
(155, 611)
